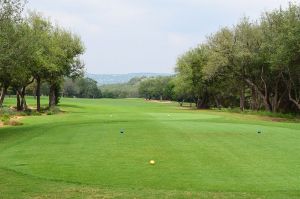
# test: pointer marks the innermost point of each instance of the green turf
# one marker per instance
(199, 154)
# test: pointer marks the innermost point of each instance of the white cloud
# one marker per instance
(145, 35)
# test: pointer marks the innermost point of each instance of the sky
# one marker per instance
(132, 36)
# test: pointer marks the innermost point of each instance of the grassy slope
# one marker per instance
(198, 153)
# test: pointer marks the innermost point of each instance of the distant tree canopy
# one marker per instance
(126, 90)
(159, 88)
(33, 51)
(81, 88)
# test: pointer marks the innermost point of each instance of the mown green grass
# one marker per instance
(199, 154)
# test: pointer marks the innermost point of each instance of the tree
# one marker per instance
(41, 30)
(189, 70)
(286, 55)
(56, 56)
(255, 61)
(10, 17)
(88, 88)
(20, 68)
(82, 88)
(65, 52)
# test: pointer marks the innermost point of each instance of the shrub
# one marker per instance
(53, 111)
(7, 111)
(5, 118)
(13, 123)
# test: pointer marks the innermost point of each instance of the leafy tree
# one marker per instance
(41, 63)
(255, 61)
(56, 56)
(190, 71)
(82, 88)
(157, 88)
(65, 52)
(10, 17)
(20, 75)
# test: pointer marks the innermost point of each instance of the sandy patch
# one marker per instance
(17, 117)
(161, 102)
(14, 121)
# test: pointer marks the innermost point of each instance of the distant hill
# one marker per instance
(103, 79)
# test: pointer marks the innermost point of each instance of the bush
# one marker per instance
(289, 116)
(5, 118)
(13, 123)
(30, 112)
(7, 111)
(53, 111)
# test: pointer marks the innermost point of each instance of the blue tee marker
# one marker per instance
(259, 131)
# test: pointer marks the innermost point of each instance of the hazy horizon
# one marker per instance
(129, 36)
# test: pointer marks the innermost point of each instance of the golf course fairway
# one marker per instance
(102, 148)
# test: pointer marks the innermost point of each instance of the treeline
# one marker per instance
(253, 65)
(33, 51)
(81, 88)
(257, 62)
(158, 88)
(125, 90)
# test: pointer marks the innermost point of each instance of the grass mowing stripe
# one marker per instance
(197, 153)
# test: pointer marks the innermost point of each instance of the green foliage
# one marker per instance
(159, 88)
(126, 90)
(53, 111)
(81, 88)
(253, 65)
(190, 79)
(5, 118)
(33, 52)
(7, 111)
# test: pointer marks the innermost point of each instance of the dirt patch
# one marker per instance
(13, 121)
(17, 117)
(160, 102)
(279, 119)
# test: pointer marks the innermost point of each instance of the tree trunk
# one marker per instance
(242, 98)
(52, 97)
(267, 103)
(2, 95)
(254, 100)
(38, 94)
(264, 96)
(57, 93)
(198, 104)
(277, 98)
(23, 100)
(202, 104)
(19, 106)
(296, 102)
(217, 102)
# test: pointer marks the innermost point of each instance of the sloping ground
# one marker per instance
(82, 154)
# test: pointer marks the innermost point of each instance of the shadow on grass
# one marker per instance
(70, 106)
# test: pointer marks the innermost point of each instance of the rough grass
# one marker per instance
(198, 154)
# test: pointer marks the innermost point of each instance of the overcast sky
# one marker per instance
(124, 36)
